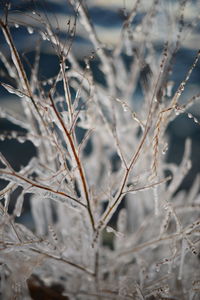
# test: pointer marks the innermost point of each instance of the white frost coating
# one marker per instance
(102, 167)
(11, 178)
(51, 36)
(14, 55)
(51, 195)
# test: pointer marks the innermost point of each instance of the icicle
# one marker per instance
(10, 69)
(190, 115)
(38, 214)
(43, 35)
(165, 222)
(183, 252)
(19, 205)
(122, 221)
(7, 202)
(155, 194)
(116, 233)
(170, 85)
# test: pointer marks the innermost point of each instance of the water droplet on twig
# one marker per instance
(30, 30)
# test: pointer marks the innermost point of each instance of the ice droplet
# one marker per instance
(16, 25)
(125, 108)
(21, 139)
(190, 115)
(130, 187)
(43, 35)
(14, 134)
(30, 30)
(169, 88)
(165, 149)
(87, 67)
(50, 81)
(158, 268)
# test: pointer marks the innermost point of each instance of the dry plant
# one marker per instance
(99, 146)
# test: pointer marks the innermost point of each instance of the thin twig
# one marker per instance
(79, 165)
(40, 186)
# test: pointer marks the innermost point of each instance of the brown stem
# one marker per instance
(150, 243)
(120, 193)
(17, 61)
(79, 165)
(65, 261)
(40, 186)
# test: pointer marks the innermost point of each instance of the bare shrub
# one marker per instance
(100, 146)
